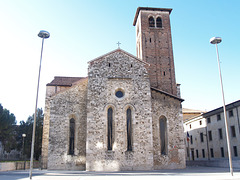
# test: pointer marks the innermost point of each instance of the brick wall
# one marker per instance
(154, 45)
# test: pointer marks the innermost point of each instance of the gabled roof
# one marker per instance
(149, 9)
(114, 51)
(64, 81)
(168, 94)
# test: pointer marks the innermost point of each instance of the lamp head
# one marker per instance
(24, 135)
(44, 34)
(215, 40)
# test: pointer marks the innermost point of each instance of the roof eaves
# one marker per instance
(220, 109)
(168, 94)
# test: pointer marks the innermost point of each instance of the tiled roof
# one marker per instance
(64, 81)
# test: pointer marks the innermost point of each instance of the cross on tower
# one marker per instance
(118, 43)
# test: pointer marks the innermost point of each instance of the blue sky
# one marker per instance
(83, 30)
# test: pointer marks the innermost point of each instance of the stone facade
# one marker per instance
(64, 106)
(169, 107)
(116, 119)
(106, 75)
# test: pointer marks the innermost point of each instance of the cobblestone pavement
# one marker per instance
(190, 173)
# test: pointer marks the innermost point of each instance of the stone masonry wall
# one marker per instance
(118, 71)
(169, 107)
(65, 105)
(50, 91)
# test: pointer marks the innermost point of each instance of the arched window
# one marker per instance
(151, 22)
(110, 128)
(159, 22)
(129, 129)
(71, 136)
(163, 134)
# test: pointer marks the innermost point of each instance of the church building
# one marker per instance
(126, 114)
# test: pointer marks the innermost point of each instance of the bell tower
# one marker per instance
(154, 45)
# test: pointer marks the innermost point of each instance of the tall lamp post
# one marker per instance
(217, 40)
(23, 136)
(44, 35)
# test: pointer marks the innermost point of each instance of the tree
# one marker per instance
(27, 128)
(7, 129)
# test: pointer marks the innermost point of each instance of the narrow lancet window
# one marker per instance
(129, 129)
(159, 22)
(110, 128)
(151, 22)
(163, 134)
(71, 136)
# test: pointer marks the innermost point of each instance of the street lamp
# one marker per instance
(23, 136)
(217, 40)
(44, 35)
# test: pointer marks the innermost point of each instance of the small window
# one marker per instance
(119, 93)
(191, 139)
(190, 126)
(71, 136)
(201, 137)
(235, 151)
(203, 153)
(200, 122)
(222, 152)
(109, 64)
(110, 128)
(159, 22)
(197, 153)
(151, 22)
(233, 131)
(212, 153)
(220, 133)
(209, 120)
(163, 134)
(218, 117)
(230, 113)
(129, 129)
(210, 135)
